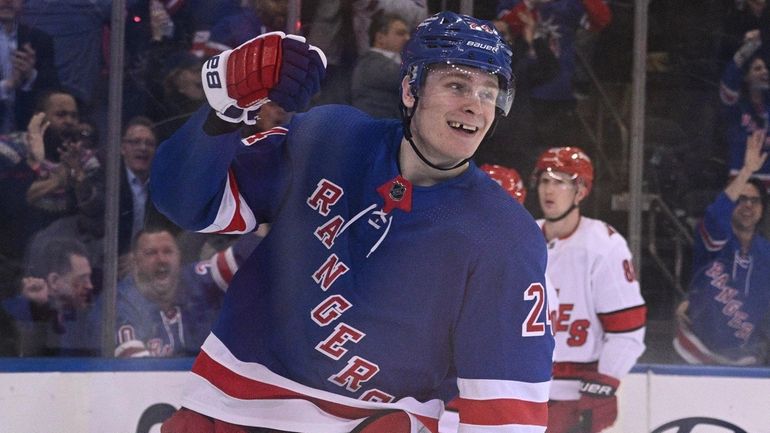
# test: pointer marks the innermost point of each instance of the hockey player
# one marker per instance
(725, 317)
(510, 180)
(600, 324)
(385, 272)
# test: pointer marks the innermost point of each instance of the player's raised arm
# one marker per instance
(197, 179)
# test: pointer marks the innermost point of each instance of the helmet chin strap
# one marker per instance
(562, 216)
(406, 118)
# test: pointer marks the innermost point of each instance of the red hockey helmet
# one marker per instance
(509, 179)
(570, 160)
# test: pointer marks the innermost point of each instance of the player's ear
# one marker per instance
(406, 95)
(582, 192)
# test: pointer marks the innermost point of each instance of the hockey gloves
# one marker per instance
(598, 405)
(271, 67)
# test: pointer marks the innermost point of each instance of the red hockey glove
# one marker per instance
(273, 66)
(598, 405)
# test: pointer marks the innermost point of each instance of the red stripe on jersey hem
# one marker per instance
(502, 411)
(240, 387)
(626, 320)
(237, 223)
(224, 267)
(573, 370)
(693, 349)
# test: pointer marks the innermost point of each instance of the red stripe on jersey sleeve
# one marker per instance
(237, 223)
(223, 267)
(502, 411)
(710, 243)
(626, 320)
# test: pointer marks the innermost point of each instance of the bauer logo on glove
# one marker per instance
(271, 67)
(597, 389)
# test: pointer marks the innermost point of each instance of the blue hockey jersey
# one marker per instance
(356, 302)
(729, 296)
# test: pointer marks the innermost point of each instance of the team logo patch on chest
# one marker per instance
(397, 194)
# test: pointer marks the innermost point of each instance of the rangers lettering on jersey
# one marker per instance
(732, 309)
(396, 194)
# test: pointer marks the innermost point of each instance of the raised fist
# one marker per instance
(271, 67)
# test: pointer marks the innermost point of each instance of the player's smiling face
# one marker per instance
(557, 192)
(455, 110)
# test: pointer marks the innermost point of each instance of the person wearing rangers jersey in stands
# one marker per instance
(725, 319)
(166, 309)
(600, 323)
(393, 264)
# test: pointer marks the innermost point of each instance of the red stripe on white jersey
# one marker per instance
(573, 370)
(234, 215)
(627, 320)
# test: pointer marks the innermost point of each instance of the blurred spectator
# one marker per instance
(40, 171)
(739, 17)
(726, 316)
(376, 86)
(166, 310)
(179, 83)
(412, 12)
(745, 95)
(76, 27)
(63, 162)
(53, 312)
(137, 149)
(514, 141)
(255, 18)
(87, 224)
(553, 102)
(330, 28)
(26, 67)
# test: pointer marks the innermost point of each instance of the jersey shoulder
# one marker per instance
(599, 234)
(334, 132)
(500, 218)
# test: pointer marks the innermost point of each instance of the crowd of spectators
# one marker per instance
(53, 104)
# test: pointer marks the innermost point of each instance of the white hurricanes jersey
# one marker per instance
(600, 320)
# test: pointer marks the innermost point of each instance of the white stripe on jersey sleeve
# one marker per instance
(232, 202)
(489, 389)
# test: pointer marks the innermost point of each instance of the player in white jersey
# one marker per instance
(600, 321)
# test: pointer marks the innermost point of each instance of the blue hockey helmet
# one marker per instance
(450, 38)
